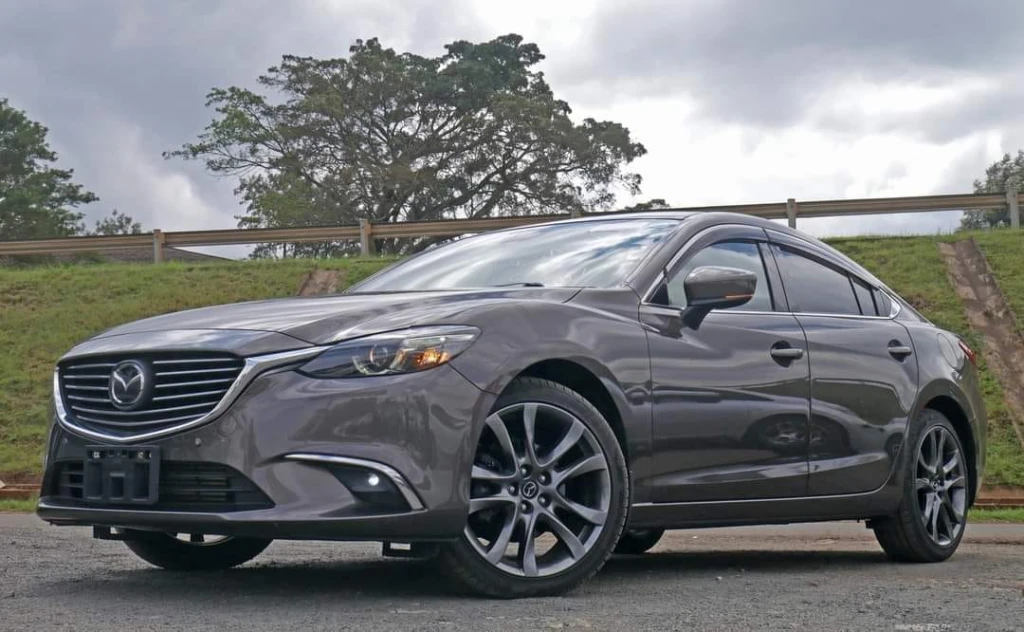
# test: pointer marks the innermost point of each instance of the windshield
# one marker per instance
(572, 254)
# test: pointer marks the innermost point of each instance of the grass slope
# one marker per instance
(45, 311)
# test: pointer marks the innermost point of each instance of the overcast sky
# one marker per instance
(737, 101)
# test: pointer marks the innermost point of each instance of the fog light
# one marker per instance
(372, 488)
(373, 480)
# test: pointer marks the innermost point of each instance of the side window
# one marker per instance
(867, 303)
(744, 255)
(883, 302)
(814, 287)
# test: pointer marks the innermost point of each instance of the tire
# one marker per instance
(168, 552)
(638, 541)
(913, 533)
(577, 478)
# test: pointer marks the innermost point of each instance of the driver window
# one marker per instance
(744, 255)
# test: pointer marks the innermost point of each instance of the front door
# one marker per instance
(731, 397)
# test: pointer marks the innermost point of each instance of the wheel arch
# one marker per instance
(592, 388)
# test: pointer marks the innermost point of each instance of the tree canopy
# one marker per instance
(1000, 175)
(388, 136)
(37, 200)
(117, 224)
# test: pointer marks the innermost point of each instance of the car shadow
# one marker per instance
(276, 581)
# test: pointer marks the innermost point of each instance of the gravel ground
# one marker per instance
(800, 577)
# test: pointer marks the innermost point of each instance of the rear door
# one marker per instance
(731, 405)
(863, 369)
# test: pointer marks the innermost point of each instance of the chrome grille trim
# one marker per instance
(251, 367)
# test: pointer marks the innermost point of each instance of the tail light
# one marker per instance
(971, 355)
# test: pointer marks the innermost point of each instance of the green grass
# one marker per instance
(45, 311)
(19, 506)
(997, 515)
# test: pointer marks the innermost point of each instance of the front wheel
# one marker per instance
(193, 552)
(932, 515)
(548, 495)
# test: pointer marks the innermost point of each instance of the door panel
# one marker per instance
(730, 421)
(861, 396)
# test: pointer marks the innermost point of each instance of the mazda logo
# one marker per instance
(530, 489)
(129, 384)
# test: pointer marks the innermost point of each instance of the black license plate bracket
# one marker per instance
(121, 475)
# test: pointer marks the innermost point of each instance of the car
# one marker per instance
(522, 404)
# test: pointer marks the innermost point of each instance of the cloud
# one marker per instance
(736, 100)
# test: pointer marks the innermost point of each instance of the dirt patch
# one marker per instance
(319, 282)
(988, 313)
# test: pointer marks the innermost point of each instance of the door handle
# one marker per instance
(899, 350)
(786, 353)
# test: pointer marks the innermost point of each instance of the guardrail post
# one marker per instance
(1013, 206)
(366, 245)
(791, 212)
(575, 213)
(158, 245)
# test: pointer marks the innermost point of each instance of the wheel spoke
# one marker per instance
(920, 484)
(933, 527)
(591, 515)
(572, 436)
(594, 463)
(929, 506)
(923, 464)
(940, 447)
(944, 521)
(957, 482)
(953, 511)
(500, 430)
(488, 502)
(500, 544)
(528, 548)
(530, 429)
(953, 463)
(565, 535)
(483, 474)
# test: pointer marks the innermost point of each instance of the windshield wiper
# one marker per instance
(521, 284)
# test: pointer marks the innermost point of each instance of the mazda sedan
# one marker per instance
(523, 404)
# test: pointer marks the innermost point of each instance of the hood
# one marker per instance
(324, 319)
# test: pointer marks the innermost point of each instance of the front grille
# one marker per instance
(186, 387)
(184, 486)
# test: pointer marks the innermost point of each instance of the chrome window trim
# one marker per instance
(894, 311)
(252, 368)
(393, 475)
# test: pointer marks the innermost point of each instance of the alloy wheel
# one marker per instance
(941, 485)
(540, 490)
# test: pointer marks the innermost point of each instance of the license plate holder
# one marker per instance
(121, 475)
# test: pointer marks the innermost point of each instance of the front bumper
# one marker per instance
(296, 442)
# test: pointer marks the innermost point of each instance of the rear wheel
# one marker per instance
(548, 495)
(193, 552)
(638, 541)
(931, 518)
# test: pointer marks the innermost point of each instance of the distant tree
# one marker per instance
(999, 176)
(390, 136)
(117, 224)
(37, 200)
(650, 205)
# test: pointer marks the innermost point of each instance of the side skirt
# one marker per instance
(875, 504)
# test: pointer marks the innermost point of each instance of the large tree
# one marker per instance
(389, 136)
(1006, 172)
(37, 200)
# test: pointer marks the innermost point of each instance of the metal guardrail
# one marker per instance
(366, 232)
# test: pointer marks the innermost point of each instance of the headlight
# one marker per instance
(404, 351)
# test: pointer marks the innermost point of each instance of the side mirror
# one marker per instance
(714, 287)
